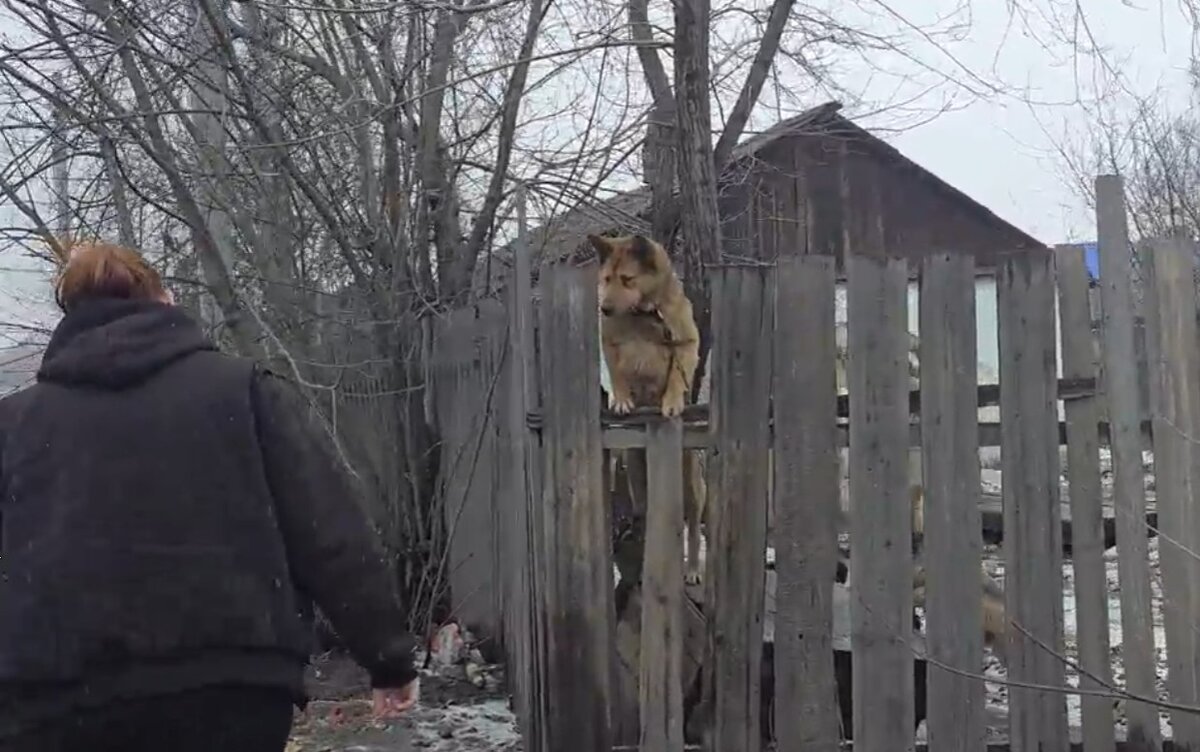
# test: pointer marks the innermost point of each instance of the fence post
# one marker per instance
(950, 443)
(1087, 510)
(1174, 381)
(804, 407)
(880, 511)
(578, 576)
(735, 583)
(661, 671)
(524, 651)
(1129, 493)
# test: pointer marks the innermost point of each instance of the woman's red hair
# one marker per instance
(103, 270)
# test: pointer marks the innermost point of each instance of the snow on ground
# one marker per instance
(489, 725)
(997, 695)
(453, 714)
(994, 564)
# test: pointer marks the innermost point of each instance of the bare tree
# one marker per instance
(325, 179)
(303, 169)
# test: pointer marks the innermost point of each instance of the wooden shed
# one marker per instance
(814, 183)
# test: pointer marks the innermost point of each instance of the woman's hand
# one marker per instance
(390, 703)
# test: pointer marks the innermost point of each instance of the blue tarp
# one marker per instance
(1091, 259)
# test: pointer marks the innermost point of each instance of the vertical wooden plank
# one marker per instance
(661, 671)
(1175, 426)
(524, 658)
(512, 506)
(466, 508)
(492, 459)
(953, 539)
(476, 525)
(880, 511)
(579, 579)
(804, 397)
(735, 587)
(502, 501)
(1087, 510)
(1129, 493)
(1032, 517)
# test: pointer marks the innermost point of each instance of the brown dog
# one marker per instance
(991, 596)
(651, 347)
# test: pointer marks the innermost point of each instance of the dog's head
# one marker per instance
(632, 270)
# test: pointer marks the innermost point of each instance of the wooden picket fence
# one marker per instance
(774, 396)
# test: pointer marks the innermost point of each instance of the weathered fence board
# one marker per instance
(806, 504)
(579, 579)
(735, 582)
(880, 511)
(1087, 512)
(466, 362)
(1032, 517)
(481, 497)
(952, 539)
(521, 497)
(773, 358)
(661, 676)
(1174, 382)
(1129, 493)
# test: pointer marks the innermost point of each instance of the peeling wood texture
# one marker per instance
(806, 504)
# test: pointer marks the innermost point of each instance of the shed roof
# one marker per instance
(563, 237)
(826, 120)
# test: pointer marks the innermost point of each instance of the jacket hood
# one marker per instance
(114, 343)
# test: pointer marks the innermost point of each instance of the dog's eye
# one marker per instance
(626, 280)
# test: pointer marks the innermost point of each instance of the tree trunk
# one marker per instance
(209, 97)
(697, 172)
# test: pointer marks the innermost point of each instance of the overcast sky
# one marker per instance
(1004, 152)
(1002, 149)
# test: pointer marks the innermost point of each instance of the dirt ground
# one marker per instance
(453, 714)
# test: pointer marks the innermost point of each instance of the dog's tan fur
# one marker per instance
(651, 346)
(991, 595)
(651, 343)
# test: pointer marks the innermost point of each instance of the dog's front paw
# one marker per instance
(621, 405)
(672, 405)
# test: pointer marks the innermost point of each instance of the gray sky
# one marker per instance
(1000, 148)
(1004, 152)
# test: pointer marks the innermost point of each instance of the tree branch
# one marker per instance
(756, 77)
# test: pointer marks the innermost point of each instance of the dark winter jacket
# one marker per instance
(165, 512)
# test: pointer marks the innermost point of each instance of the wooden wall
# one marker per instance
(829, 194)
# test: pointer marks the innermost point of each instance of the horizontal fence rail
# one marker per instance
(628, 431)
(802, 638)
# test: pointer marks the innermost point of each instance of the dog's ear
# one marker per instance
(642, 250)
(602, 245)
